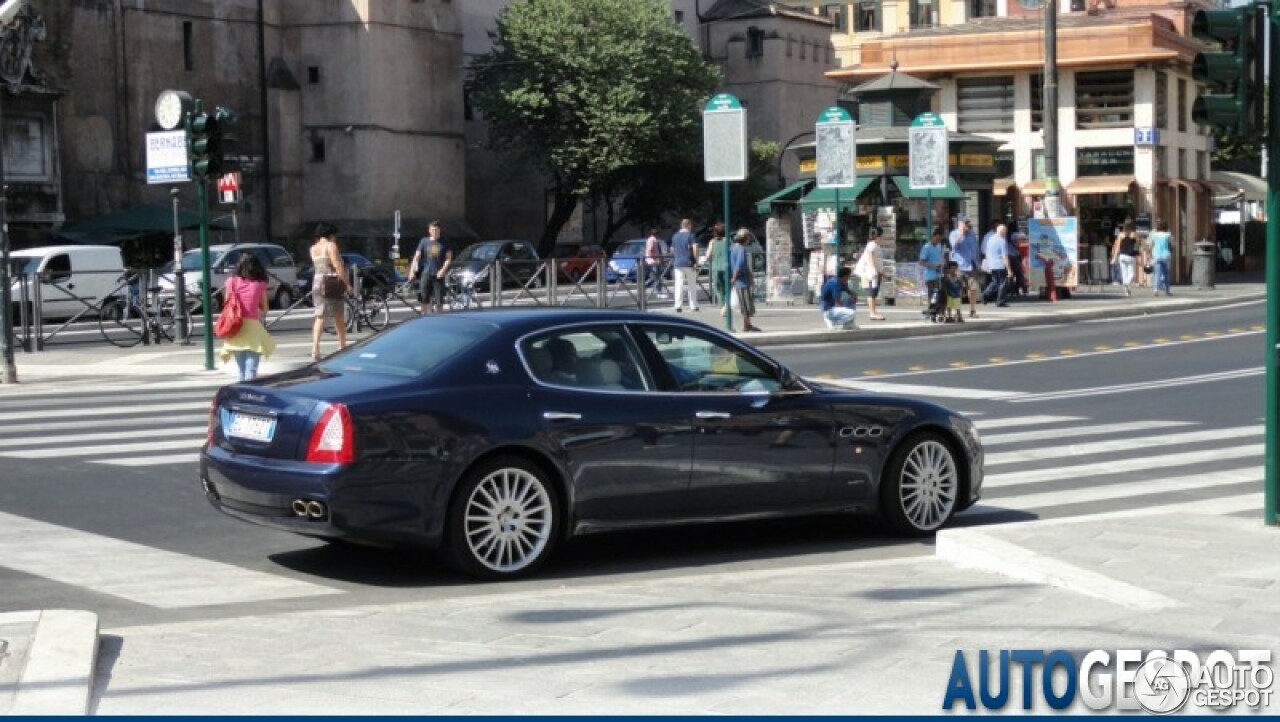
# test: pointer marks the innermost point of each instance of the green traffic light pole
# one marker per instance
(728, 272)
(1271, 485)
(200, 177)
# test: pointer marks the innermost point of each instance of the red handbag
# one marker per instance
(231, 318)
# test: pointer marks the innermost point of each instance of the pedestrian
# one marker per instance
(1018, 274)
(836, 302)
(430, 264)
(1126, 254)
(684, 249)
(653, 263)
(996, 264)
(328, 264)
(953, 288)
(870, 270)
(740, 278)
(1161, 255)
(718, 257)
(932, 265)
(964, 252)
(248, 286)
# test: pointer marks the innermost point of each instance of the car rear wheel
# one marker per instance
(503, 520)
(284, 299)
(921, 487)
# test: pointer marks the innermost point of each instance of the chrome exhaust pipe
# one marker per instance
(316, 510)
(300, 507)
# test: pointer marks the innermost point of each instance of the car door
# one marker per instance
(57, 288)
(761, 441)
(628, 451)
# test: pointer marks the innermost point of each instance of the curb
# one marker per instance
(865, 333)
(975, 549)
(58, 675)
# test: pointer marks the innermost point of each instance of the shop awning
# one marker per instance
(1033, 188)
(1086, 185)
(790, 194)
(1001, 186)
(952, 190)
(1255, 188)
(133, 222)
(826, 197)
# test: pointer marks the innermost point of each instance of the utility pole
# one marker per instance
(1052, 186)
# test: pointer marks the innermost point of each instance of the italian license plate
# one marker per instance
(253, 428)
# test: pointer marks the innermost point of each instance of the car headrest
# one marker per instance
(610, 372)
(539, 361)
(589, 372)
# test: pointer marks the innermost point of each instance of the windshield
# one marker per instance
(630, 249)
(19, 266)
(479, 252)
(407, 350)
(190, 262)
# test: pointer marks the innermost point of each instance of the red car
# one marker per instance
(574, 263)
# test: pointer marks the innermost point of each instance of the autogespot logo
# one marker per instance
(1158, 682)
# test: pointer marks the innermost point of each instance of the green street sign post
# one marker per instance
(837, 154)
(929, 159)
(1236, 75)
(724, 159)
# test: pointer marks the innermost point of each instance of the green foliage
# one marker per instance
(591, 91)
(1237, 152)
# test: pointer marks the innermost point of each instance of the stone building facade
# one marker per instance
(349, 110)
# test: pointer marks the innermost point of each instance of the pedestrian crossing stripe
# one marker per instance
(1123, 444)
(1123, 465)
(1020, 437)
(112, 410)
(152, 460)
(121, 400)
(1223, 505)
(1111, 492)
(47, 440)
(140, 424)
(927, 390)
(1006, 422)
(19, 394)
(104, 449)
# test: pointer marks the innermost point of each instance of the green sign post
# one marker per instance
(929, 154)
(836, 148)
(724, 159)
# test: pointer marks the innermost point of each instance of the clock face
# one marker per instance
(169, 108)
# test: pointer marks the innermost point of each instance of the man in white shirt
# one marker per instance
(996, 250)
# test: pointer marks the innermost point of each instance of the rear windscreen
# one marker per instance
(412, 349)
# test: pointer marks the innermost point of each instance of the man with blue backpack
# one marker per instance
(837, 303)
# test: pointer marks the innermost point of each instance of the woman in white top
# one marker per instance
(869, 270)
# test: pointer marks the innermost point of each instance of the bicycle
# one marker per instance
(124, 322)
(371, 308)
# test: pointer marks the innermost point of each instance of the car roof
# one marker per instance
(46, 250)
(519, 321)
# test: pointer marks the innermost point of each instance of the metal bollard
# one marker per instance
(37, 313)
(356, 289)
(642, 288)
(552, 284)
(24, 311)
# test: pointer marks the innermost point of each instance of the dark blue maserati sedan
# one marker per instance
(494, 435)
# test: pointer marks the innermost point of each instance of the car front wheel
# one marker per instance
(921, 487)
(503, 520)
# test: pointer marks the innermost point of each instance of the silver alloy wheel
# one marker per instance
(929, 485)
(508, 520)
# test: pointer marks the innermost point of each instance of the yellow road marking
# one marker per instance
(1068, 352)
(997, 359)
(1159, 340)
(918, 368)
(1235, 330)
(872, 372)
(1131, 344)
(1258, 327)
(826, 376)
(1102, 347)
(958, 364)
(1188, 336)
(1035, 355)
(1213, 333)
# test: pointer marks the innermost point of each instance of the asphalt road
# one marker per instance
(1079, 419)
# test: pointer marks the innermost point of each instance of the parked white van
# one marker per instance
(72, 278)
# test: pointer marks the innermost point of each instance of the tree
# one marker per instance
(591, 91)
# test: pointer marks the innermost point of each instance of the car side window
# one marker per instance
(280, 258)
(58, 269)
(600, 359)
(230, 261)
(701, 363)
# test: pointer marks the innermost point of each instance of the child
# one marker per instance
(953, 289)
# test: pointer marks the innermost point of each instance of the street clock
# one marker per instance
(171, 108)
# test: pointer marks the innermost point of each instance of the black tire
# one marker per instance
(376, 312)
(925, 459)
(517, 512)
(120, 325)
(283, 298)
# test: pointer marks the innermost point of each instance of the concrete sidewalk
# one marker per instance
(811, 638)
(782, 325)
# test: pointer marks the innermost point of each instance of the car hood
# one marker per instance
(470, 265)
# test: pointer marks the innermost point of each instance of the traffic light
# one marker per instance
(1234, 74)
(204, 145)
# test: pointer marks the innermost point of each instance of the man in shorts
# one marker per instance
(431, 264)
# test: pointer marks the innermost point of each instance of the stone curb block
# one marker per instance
(58, 675)
(975, 549)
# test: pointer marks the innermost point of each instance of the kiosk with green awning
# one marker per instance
(826, 197)
(789, 195)
(951, 192)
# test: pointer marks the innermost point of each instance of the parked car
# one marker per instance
(72, 279)
(282, 273)
(577, 262)
(471, 267)
(373, 276)
(609, 420)
(623, 263)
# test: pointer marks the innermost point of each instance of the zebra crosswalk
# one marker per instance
(117, 424)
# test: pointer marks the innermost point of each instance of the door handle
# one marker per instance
(712, 415)
(560, 416)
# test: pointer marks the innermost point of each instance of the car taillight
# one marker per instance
(331, 440)
(213, 419)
